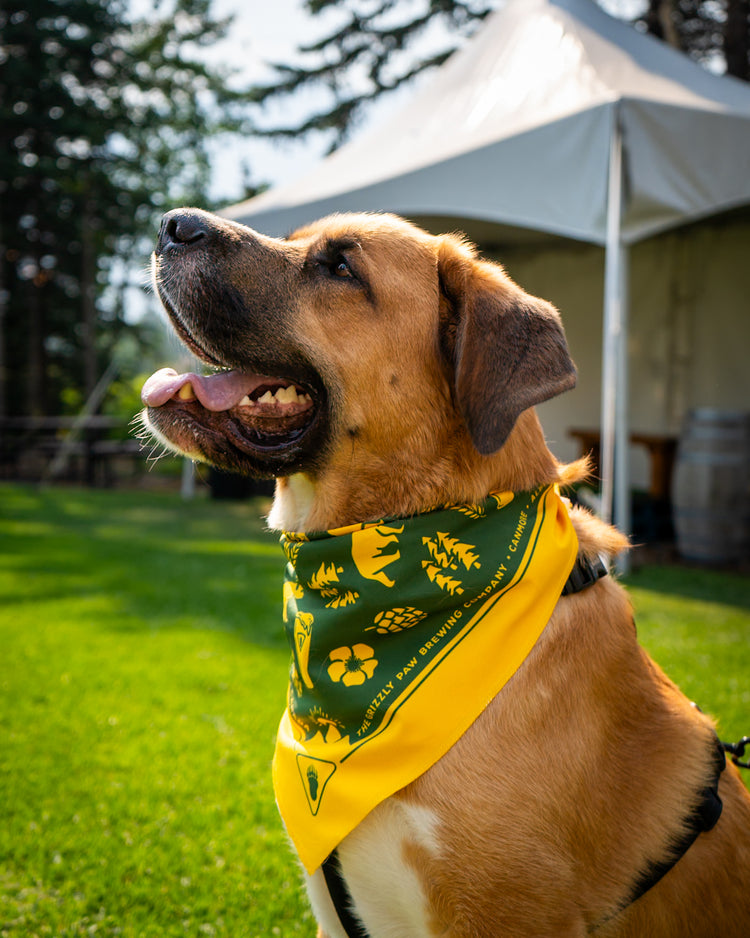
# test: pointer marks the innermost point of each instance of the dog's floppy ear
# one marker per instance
(509, 350)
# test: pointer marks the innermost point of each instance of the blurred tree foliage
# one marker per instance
(378, 45)
(105, 118)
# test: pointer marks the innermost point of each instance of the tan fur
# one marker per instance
(405, 457)
(580, 772)
(585, 766)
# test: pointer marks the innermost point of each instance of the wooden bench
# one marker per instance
(661, 447)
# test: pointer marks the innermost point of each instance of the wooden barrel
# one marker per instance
(711, 487)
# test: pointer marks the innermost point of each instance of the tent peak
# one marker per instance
(515, 128)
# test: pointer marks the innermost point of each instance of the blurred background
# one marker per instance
(113, 112)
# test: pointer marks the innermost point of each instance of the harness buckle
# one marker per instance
(737, 750)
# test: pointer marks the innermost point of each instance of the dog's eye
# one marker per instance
(341, 269)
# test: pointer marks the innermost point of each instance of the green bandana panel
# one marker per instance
(368, 608)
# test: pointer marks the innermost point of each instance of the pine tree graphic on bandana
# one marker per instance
(470, 510)
(326, 582)
(446, 553)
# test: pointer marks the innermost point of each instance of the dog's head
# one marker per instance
(358, 344)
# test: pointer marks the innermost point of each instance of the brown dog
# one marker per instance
(377, 371)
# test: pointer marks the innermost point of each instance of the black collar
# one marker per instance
(584, 574)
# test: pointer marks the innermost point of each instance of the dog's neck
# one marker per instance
(293, 503)
(365, 488)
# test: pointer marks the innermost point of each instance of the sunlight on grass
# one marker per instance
(143, 676)
(696, 624)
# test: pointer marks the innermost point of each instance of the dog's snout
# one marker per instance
(181, 229)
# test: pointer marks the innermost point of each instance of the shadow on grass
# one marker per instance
(145, 561)
(693, 582)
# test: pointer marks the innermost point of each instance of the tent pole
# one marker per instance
(622, 424)
(614, 419)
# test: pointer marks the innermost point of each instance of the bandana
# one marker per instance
(402, 631)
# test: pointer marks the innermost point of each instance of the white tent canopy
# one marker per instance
(554, 118)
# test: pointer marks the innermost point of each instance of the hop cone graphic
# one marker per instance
(396, 620)
(312, 780)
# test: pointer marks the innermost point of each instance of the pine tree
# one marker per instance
(104, 120)
(374, 49)
(371, 53)
(713, 32)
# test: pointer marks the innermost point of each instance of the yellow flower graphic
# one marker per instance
(353, 665)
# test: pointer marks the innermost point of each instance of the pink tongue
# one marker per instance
(215, 392)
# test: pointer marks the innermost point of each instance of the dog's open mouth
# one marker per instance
(267, 412)
(231, 418)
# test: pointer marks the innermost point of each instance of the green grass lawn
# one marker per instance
(696, 624)
(142, 676)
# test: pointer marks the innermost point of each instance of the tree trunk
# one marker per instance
(35, 396)
(88, 297)
(3, 347)
(661, 21)
(737, 39)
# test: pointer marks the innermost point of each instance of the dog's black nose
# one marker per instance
(180, 229)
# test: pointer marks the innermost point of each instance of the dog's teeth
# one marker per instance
(286, 395)
(186, 392)
(245, 402)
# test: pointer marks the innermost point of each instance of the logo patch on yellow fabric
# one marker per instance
(314, 774)
(401, 631)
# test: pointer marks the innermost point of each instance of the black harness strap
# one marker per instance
(703, 818)
(341, 897)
